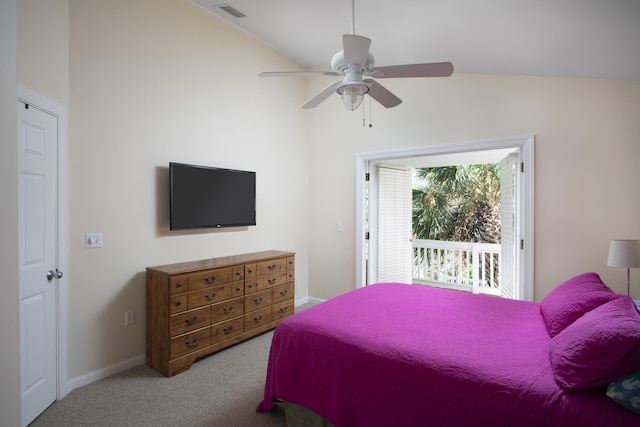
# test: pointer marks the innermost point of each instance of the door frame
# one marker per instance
(524, 143)
(62, 342)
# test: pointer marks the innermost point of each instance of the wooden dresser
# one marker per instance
(199, 307)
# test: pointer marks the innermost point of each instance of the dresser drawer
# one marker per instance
(257, 318)
(204, 279)
(237, 289)
(274, 266)
(190, 321)
(257, 301)
(226, 330)
(177, 303)
(177, 284)
(250, 286)
(268, 282)
(209, 295)
(190, 342)
(250, 271)
(282, 293)
(227, 309)
(237, 273)
(282, 309)
(291, 269)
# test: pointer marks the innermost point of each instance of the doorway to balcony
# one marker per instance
(385, 248)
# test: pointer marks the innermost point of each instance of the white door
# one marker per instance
(38, 275)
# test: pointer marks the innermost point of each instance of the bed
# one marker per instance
(394, 354)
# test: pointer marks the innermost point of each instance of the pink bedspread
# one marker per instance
(400, 355)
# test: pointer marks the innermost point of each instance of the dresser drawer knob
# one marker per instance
(210, 279)
(228, 330)
(283, 293)
(272, 267)
(284, 309)
(258, 319)
(238, 289)
(250, 271)
(178, 303)
(211, 297)
(271, 281)
(238, 273)
(258, 300)
(250, 286)
(178, 285)
(191, 321)
(193, 343)
(227, 310)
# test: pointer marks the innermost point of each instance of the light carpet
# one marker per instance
(222, 389)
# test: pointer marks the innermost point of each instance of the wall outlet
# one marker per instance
(129, 317)
(93, 240)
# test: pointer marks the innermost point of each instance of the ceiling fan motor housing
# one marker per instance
(338, 65)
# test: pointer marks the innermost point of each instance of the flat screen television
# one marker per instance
(209, 197)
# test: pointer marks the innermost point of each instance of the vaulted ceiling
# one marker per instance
(565, 38)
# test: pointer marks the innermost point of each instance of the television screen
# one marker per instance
(208, 197)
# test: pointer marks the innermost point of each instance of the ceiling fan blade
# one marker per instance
(356, 49)
(298, 73)
(435, 69)
(322, 95)
(382, 94)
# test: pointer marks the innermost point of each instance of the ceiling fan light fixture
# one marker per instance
(352, 95)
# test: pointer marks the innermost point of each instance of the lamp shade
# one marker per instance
(624, 253)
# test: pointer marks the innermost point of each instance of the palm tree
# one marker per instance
(458, 203)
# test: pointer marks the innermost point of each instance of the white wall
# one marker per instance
(9, 336)
(587, 149)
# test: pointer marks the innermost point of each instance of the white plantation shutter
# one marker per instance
(394, 225)
(508, 238)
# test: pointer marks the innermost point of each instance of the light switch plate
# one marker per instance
(93, 240)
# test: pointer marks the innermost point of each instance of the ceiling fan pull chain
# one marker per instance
(370, 124)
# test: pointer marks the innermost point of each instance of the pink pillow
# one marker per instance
(572, 299)
(600, 347)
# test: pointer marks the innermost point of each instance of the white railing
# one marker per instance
(464, 266)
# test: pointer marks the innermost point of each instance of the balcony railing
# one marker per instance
(472, 267)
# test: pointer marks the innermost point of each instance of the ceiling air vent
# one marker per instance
(232, 11)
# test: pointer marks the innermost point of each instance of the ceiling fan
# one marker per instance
(355, 62)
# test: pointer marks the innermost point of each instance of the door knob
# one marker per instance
(54, 274)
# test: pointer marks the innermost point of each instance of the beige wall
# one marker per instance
(587, 148)
(43, 48)
(9, 336)
(153, 82)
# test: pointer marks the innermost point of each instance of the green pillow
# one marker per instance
(626, 391)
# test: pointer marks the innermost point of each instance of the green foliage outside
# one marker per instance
(457, 203)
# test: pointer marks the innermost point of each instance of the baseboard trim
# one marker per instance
(307, 300)
(94, 376)
(301, 301)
